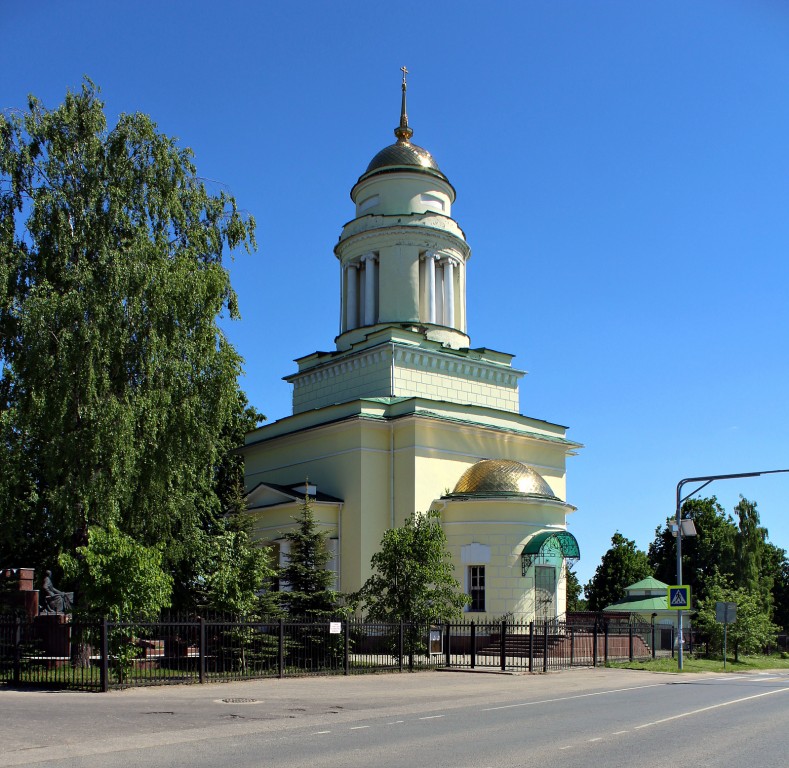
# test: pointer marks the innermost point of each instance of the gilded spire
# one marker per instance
(403, 132)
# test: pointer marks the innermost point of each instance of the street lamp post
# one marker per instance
(705, 481)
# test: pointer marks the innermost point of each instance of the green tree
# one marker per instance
(753, 629)
(309, 590)
(750, 544)
(413, 578)
(120, 580)
(236, 572)
(776, 563)
(623, 564)
(574, 590)
(193, 550)
(118, 390)
(119, 577)
(709, 553)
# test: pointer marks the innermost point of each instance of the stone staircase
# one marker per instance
(517, 645)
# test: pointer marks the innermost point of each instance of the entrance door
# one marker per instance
(545, 592)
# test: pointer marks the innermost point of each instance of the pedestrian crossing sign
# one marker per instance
(679, 598)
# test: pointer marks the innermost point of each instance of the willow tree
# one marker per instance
(118, 392)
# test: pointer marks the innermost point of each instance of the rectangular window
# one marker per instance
(476, 587)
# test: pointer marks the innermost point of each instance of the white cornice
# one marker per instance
(541, 526)
(425, 238)
(455, 365)
(428, 220)
(394, 354)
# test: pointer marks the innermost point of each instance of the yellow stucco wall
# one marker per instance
(384, 470)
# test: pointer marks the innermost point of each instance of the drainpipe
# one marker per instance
(391, 477)
(339, 546)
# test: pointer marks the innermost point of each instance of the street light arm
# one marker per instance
(692, 493)
(707, 479)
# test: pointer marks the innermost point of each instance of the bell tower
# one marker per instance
(403, 328)
(403, 258)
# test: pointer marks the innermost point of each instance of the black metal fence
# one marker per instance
(98, 655)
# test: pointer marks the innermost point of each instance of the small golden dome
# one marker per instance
(403, 155)
(502, 477)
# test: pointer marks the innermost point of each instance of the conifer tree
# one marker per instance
(308, 584)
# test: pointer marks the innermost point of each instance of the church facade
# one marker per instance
(404, 415)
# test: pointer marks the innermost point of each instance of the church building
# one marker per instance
(405, 415)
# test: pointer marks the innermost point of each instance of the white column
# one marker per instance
(430, 276)
(342, 300)
(449, 293)
(369, 288)
(351, 307)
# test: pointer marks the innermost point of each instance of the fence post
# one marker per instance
(594, 645)
(18, 650)
(347, 648)
(473, 644)
(672, 641)
(545, 646)
(605, 646)
(447, 650)
(630, 641)
(531, 646)
(401, 645)
(105, 657)
(201, 667)
(572, 646)
(504, 644)
(653, 638)
(281, 650)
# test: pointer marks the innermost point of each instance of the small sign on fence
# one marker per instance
(435, 641)
(335, 627)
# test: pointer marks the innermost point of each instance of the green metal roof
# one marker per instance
(648, 583)
(650, 604)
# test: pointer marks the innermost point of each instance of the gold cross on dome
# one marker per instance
(405, 72)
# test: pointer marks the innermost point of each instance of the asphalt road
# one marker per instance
(576, 718)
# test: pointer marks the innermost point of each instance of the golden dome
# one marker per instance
(502, 477)
(403, 155)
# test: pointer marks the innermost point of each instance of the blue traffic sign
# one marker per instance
(679, 598)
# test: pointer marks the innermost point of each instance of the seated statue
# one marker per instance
(54, 599)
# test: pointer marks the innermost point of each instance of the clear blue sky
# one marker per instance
(622, 171)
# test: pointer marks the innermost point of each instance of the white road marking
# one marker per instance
(569, 746)
(430, 717)
(712, 706)
(317, 733)
(577, 696)
(395, 722)
(617, 733)
(358, 727)
(599, 738)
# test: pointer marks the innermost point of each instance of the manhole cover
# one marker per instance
(239, 700)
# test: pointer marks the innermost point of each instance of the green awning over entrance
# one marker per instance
(566, 541)
(540, 545)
